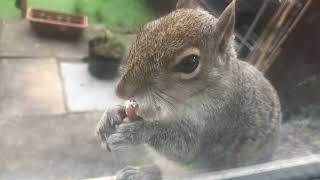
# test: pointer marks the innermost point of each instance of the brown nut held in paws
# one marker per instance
(131, 110)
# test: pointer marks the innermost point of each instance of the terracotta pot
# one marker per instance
(56, 23)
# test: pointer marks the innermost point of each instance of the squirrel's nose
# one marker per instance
(125, 90)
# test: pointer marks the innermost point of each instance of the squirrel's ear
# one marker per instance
(187, 4)
(224, 28)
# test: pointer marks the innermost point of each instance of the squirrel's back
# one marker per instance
(244, 124)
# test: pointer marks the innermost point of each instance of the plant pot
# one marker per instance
(56, 23)
(103, 68)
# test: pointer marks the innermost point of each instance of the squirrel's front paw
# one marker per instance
(126, 134)
(107, 124)
(139, 173)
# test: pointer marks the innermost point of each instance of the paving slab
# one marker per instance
(84, 92)
(30, 86)
(52, 147)
(19, 40)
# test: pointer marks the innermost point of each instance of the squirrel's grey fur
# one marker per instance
(226, 116)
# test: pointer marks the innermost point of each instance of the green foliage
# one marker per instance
(113, 13)
(89, 8)
(107, 46)
(8, 9)
(67, 6)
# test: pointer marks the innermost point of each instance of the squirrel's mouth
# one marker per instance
(149, 112)
(148, 108)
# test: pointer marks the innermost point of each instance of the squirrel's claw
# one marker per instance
(126, 134)
(108, 122)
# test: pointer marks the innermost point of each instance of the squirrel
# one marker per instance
(199, 106)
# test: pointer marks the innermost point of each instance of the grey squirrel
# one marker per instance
(200, 107)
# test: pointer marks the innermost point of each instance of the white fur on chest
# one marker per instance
(168, 167)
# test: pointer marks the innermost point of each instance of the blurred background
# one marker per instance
(59, 62)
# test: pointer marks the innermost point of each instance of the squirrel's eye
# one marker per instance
(188, 64)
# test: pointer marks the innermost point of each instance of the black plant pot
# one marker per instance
(100, 66)
(104, 68)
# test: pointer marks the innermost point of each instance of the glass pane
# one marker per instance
(146, 89)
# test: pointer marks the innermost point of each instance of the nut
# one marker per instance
(131, 109)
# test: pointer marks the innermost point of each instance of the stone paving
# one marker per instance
(83, 92)
(30, 87)
(49, 107)
(52, 147)
(19, 40)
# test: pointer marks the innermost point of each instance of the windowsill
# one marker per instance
(306, 167)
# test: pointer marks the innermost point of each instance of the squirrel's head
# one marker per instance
(178, 55)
